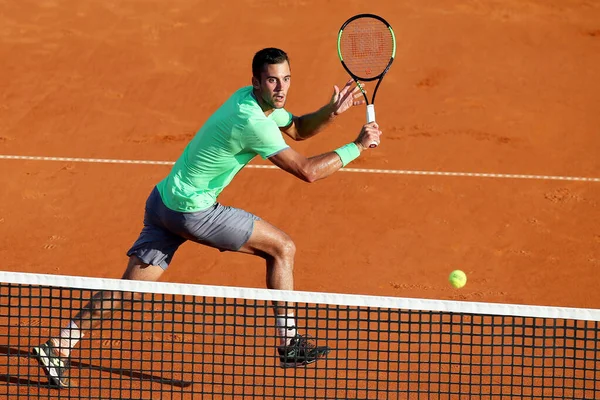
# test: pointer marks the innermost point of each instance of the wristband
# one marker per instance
(348, 153)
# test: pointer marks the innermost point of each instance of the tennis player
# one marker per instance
(183, 206)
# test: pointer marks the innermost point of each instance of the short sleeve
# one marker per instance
(264, 138)
(281, 117)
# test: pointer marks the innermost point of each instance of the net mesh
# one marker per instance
(366, 46)
(185, 341)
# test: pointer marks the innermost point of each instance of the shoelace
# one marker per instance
(304, 341)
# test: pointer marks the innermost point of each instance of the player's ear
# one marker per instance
(255, 83)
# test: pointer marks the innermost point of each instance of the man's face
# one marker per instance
(274, 84)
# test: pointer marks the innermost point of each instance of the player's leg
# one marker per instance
(278, 250)
(104, 303)
(148, 258)
(54, 354)
(233, 229)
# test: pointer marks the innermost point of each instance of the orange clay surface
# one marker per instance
(501, 87)
(495, 87)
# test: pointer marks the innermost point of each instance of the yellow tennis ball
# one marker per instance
(457, 278)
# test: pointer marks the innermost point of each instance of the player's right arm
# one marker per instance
(321, 166)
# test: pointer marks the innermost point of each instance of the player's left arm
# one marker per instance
(308, 125)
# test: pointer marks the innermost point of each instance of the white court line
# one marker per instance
(359, 170)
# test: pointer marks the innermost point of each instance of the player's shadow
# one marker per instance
(10, 379)
(14, 380)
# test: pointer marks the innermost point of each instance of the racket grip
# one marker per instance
(370, 113)
(371, 118)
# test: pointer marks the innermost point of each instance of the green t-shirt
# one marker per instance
(230, 138)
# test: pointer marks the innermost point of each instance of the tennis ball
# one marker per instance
(457, 278)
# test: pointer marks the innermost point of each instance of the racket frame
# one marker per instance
(370, 108)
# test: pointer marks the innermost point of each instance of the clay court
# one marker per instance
(478, 87)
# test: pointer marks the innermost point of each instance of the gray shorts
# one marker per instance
(225, 228)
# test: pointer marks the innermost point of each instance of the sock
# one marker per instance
(69, 337)
(286, 328)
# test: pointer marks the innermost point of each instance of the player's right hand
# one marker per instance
(369, 136)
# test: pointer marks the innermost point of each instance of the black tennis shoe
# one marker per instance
(301, 351)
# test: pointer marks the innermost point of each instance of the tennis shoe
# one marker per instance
(53, 365)
(301, 351)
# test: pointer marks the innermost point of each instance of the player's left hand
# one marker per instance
(349, 96)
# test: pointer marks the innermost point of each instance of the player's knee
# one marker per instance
(289, 248)
(286, 248)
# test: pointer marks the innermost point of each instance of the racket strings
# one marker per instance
(366, 46)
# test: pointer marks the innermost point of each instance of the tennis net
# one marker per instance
(180, 341)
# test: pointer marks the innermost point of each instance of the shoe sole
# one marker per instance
(50, 371)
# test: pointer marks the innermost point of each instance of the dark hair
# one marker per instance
(266, 56)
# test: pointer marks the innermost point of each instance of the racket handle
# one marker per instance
(370, 113)
(371, 118)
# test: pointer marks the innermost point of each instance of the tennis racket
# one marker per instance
(367, 47)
